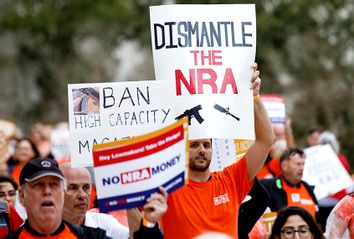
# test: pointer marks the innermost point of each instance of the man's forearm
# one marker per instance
(257, 154)
(134, 220)
(263, 127)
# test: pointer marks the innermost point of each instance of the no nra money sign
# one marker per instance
(206, 52)
(127, 172)
(106, 112)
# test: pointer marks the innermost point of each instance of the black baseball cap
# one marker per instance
(37, 168)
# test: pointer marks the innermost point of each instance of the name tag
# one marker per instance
(295, 197)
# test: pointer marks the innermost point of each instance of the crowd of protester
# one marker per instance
(40, 196)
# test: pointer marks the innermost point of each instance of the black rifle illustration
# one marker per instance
(192, 112)
(225, 110)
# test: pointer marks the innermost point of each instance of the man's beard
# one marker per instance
(197, 167)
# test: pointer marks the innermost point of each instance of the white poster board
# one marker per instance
(324, 170)
(207, 57)
(227, 152)
(60, 142)
(105, 112)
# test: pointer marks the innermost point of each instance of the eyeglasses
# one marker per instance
(289, 232)
(11, 193)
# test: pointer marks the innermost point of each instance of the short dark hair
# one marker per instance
(286, 212)
(8, 179)
(314, 129)
(291, 152)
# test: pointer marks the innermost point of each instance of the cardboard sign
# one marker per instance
(275, 106)
(207, 57)
(324, 170)
(105, 112)
(127, 172)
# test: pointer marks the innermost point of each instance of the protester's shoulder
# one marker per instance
(14, 234)
(97, 216)
(308, 186)
(98, 233)
(87, 232)
(268, 181)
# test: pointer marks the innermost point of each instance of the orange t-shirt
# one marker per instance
(274, 166)
(16, 173)
(66, 233)
(209, 206)
(299, 196)
(264, 173)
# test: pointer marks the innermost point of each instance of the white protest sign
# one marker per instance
(275, 106)
(324, 170)
(127, 172)
(207, 57)
(60, 141)
(105, 112)
(224, 154)
(227, 152)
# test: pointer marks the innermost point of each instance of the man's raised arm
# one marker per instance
(257, 153)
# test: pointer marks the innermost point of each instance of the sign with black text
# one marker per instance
(207, 57)
(106, 112)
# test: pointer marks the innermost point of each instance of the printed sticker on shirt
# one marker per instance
(295, 197)
(224, 198)
(306, 202)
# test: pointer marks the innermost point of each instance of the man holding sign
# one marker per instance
(210, 202)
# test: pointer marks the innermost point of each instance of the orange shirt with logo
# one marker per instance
(299, 196)
(208, 206)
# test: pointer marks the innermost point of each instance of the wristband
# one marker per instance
(147, 223)
(256, 97)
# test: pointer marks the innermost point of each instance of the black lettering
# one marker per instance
(182, 35)
(171, 45)
(133, 119)
(193, 30)
(82, 146)
(154, 112)
(146, 97)
(156, 27)
(124, 97)
(204, 35)
(78, 121)
(140, 117)
(166, 114)
(215, 35)
(226, 36)
(244, 34)
(108, 98)
(234, 43)
(126, 117)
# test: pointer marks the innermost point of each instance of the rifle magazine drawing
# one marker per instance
(226, 111)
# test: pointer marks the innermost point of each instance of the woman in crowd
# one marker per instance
(8, 190)
(24, 151)
(295, 222)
